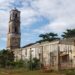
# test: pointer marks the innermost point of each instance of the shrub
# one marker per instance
(34, 64)
(6, 57)
(70, 73)
(18, 64)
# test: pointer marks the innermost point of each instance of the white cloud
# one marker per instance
(56, 27)
(60, 10)
(3, 22)
(28, 16)
(4, 4)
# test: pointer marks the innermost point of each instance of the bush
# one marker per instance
(6, 57)
(34, 64)
(70, 73)
(15, 64)
(18, 64)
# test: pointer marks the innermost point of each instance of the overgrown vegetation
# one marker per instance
(7, 61)
(23, 71)
(6, 58)
(69, 33)
(68, 72)
(34, 64)
(48, 37)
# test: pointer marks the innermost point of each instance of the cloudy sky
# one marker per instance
(37, 16)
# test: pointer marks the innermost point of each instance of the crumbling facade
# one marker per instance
(59, 54)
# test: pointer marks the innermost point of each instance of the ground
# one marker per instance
(24, 72)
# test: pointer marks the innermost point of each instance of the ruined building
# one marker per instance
(14, 35)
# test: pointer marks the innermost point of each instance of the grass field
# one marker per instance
(24, 72)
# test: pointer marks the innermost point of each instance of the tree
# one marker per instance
(44, 36)
(69, 33)
(34, 64)
(6, 57)
(53, 35)
(48, 36)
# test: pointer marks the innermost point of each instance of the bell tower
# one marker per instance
(14, 35)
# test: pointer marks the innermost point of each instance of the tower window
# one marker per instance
(9, 28)
(16, 15)
(16, 29)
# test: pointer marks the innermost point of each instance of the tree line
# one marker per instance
(53, 36)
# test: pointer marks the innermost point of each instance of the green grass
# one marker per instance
(68, 72)
(24, 72)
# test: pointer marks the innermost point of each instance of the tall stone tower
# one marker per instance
(14, 36)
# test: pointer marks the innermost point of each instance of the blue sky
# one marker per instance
(37, 16)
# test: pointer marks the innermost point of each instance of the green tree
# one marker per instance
(34, 64)
(53, 35)
(48, 36)
(6, 57)
(44, 36)
(69, 33)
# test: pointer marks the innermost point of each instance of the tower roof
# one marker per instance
(15, 9)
